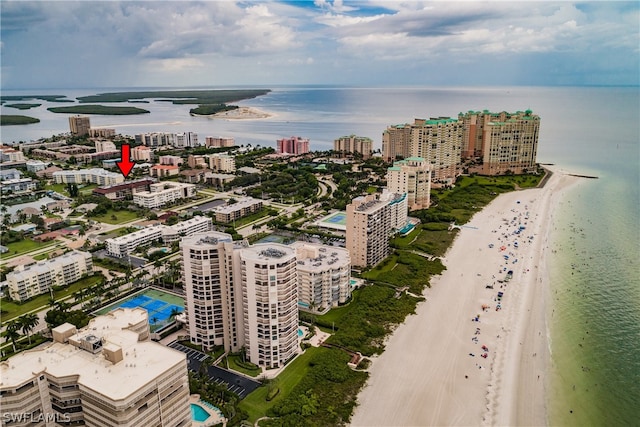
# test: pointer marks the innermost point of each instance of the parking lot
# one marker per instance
(236, 383)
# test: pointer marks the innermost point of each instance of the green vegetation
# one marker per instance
(50, 98)
(405, 269)
(24, 246)
(205, 110)
(10, 120)
(58, 188)
(98, 109)
(114, 216)
(179, 96)
(22, 106)
(12, 309)
(235, 362)
(286, 184)
(256, 404)
(325, 396)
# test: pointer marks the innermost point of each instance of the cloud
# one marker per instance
(119, 43)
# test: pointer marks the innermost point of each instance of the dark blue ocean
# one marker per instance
(595, 274)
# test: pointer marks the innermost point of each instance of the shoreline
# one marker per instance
(240, 113)
(442, 378)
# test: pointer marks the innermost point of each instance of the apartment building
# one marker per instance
(324, 276)
(28, 281)
(221, 162)
(104, 145)
(124, 190)
(368, 230)
(506, 142)
(141, 153)
(36, 165)
(162, 171)
(162, 193)
(212, 141)
(241, 208)
(270, 303)
(79, 125)
(87, 176)
(294, 145)
(241, 296)
(353, 144)
(106, 374)
(123, 246)
(437, 140)
(213, 303)
(102, 133)
(17, 186)
(170, 160)
(186, 139)
(411, 176)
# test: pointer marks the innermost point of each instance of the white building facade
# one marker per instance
(162, 193)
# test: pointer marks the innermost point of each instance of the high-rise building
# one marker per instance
(141, 153)
(26, 282)
(411, 176)
(437, 140)
(241, 296)
(221, 162)
(212, 287)
(368, 230)
(324, 276)
(270, 303)
(212, 141)
(106, 374)
(294, 145)
(506, 142)
(79, 125)
(353, 144)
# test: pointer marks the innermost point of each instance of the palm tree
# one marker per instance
(28, 322)
(12, 332)
(174, 312)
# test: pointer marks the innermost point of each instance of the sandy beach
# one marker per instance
(442, 367)
(241, 113)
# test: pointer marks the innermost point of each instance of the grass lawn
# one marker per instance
(88, 188)
(11, 309)
(233, 364)
(58, 188)
(116, 216)
(23, 246)
(250, 218)
(256, 403)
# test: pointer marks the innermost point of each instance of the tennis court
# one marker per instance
(158, 304)
(334, 221)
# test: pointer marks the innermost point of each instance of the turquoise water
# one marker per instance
(198, 413)
(595, 274)
(300, 333)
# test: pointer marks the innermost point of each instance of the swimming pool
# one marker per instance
(198, 413)
(300, 333)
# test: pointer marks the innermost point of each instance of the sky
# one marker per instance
(102, 44)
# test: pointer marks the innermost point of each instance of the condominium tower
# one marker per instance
(504, 141)
(368, 229)
(79, 125)
(437, 140)
(294, 145)
(324, 276)
(106, 374)
(241, 296)
(353, 144)
(411, 176)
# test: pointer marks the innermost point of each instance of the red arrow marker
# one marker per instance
(125, 164)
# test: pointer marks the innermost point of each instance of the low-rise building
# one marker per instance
(124, 190)
(170, 160)
(102, 132)
(221, 162)
(36, 279)
(123, 246)
(197, 224)
(17, 186)
(104, 145)
(162, 171)
(243, 207)
(87, 176)
(107, 374)
(36, 165)
(219, 141)
(162, 193)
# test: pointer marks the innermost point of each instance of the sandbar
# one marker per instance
(433, 372)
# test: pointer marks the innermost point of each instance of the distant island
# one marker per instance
(98, 109)
(50, 98)
(9, 120)
(201, 97)
(23, 106)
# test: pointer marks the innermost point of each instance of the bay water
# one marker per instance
(594, 310)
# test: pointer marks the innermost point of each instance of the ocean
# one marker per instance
(594, 310)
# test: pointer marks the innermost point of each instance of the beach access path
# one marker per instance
(433, 372)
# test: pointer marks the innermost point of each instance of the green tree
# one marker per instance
(28, 322)
(12, 333)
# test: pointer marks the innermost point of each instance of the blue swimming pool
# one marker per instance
(300, 333)
(198, 413)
